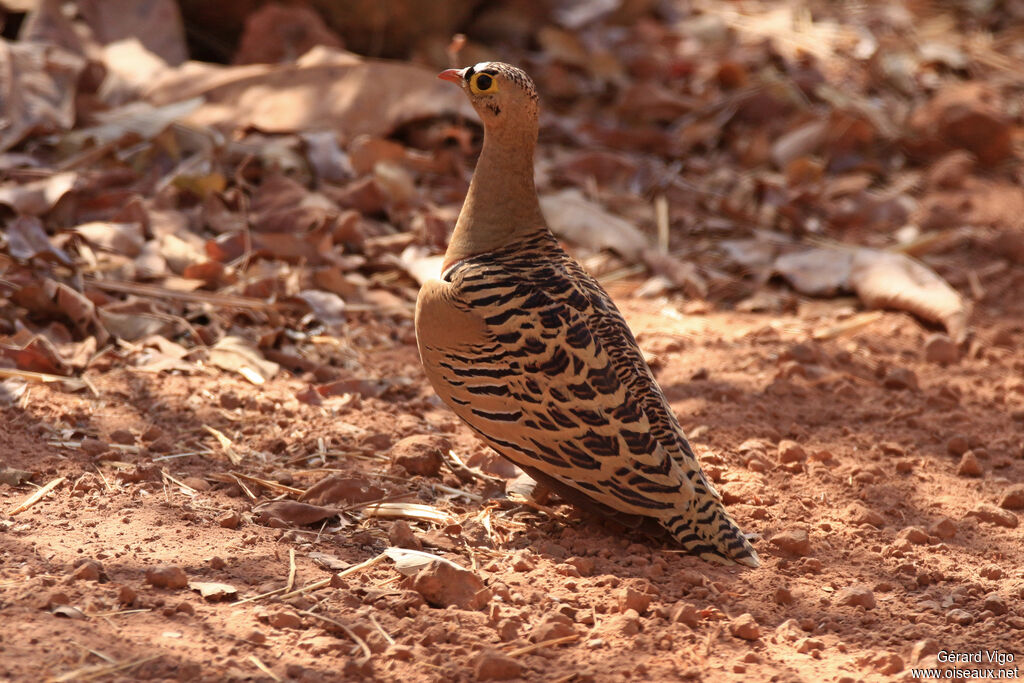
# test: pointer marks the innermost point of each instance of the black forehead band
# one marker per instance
(470, 71)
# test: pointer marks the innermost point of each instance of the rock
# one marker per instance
(584, 565)
(402, 653)
(939, 348)
(950, 171)
(630, 598)
(551, 627)
(229, 519)
(783, 596)
(944, 528)
(922, 649)
(969, 465)
(496, 666)
(401, 534)
(93, 447)
(914, 534)
(442, 584)
(123, 437)
(88, 570)
(167, 576)
(986, 512)
(957, 445)
(745, 627)
(858, 513)
(507, 629)
(789, 631)
(794, 541)
(1013, 498)
(856, 596)
(995, 603)
(959, 617)
(522, 561)
(888, 663)
(685, 613)
(126, 595)
(968, 116)
(217, 562)
(284, 618)
(805, 645)
(791, 451)
(625, 624)
(899, 379)
(421, 454)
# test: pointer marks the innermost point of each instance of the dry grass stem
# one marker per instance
(264, 668)
(36, 497)
(367, 653)
(527, 649)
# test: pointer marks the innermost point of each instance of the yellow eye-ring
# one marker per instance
(482, 83)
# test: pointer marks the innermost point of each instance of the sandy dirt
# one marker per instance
(873, 478)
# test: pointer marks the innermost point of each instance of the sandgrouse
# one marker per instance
(532, 354)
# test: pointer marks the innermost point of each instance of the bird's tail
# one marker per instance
(706, 530)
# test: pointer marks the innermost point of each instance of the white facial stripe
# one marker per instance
(481, 66)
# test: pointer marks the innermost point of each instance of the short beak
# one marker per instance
(453, 75)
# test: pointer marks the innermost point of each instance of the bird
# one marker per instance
(533, 355)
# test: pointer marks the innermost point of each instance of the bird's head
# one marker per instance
(503, 95)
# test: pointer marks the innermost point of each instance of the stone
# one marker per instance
(914, 534)
(969, 465)
(791, 451)
(551, 627)
(959, 617)
(522, 561)
(940, 349)
(957, 445)
(284, 618)
(492, 665)
(625, 624)
(856, 596)
(229, 519)
(794, 541)
(167, 576)
(401, 534)
(126, 595)
(995, 603)
(805, 645)
(858, 513)
(421, 454)
(944, 528)
(888, 663)
(789, 631)
(922, 649)
(900, 379)
(88, 570)
(123, 437)
(1013, 498)
(986, 512)
(93, 447)
(442, 584)
(685, 613)
(630, 598)
(783, 596)
(745, 627)
(584, 565)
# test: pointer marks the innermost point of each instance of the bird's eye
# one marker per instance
(483, 83)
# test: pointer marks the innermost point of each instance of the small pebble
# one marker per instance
(805, 645)
(630, 598)
(995, 603)
(420, 454)
(783, 596)
(986, 512)
(922, 649)
(795, 541)
(230, 519)
(969, 465)
(402, 535)
(1013, 498)
(899, 379)
(888, 663)
(939, 348)
(745, 627)
(217, 562)
(945, 528)
(957, 445)
(959, 617)
(859, 596)
(88, 570)
(522, 561)
(914, 534)
(284, 618)
(167, 577)
(791, 451)
(93, 447)
(685, 613)
(123, 437)
(858, 513)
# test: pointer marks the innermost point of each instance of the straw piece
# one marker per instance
(35, 497)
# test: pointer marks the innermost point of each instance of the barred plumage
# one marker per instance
(532, 354)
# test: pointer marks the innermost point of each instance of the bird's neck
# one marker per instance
(501, 206)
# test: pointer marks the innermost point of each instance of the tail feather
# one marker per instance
(712, 535)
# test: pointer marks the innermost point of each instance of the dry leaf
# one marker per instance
(338, 489)
(38, 83)
(816, 272)
(417, 511)
(123, 238)
(235, 354)
(291, 512)
(139, 119)
(212, 590)
(26, 240)
(887, 280)
(581, 221)
(39, 196)
(338, 91)
(408, 562)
